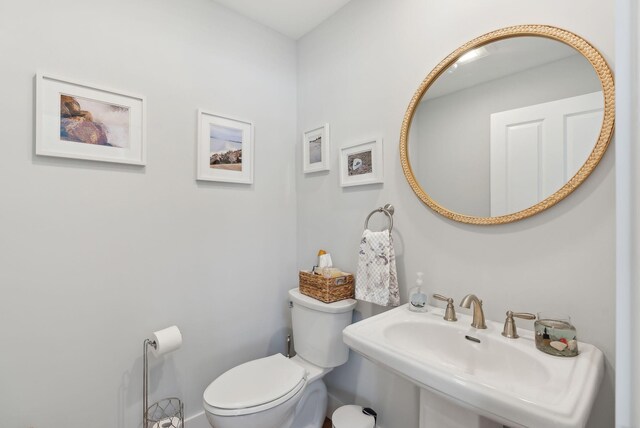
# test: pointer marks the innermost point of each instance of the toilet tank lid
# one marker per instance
(334, 308)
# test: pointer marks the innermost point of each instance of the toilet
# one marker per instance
(281, 392)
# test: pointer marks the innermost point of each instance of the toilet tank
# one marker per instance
(317, 329)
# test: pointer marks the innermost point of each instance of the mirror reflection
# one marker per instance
(506, 126)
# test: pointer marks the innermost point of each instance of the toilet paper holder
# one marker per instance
(166, 413)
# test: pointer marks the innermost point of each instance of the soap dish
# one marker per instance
(555, 335)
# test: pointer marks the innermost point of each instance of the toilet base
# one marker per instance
(312, 407)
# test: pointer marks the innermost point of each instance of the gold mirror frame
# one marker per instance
(606, 131)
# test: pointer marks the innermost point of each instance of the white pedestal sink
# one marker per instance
(466, 383)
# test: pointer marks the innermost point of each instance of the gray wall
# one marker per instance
(453, 153)
(95, 256)
(358, 71)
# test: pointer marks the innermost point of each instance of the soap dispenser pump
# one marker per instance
(418, 299)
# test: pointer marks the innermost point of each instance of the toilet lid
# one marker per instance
(254, 384)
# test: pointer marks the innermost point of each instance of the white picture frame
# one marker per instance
(316, 150)
(362, 163)
(85, 121)
(228, 140)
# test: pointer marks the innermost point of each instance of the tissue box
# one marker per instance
(327, 290)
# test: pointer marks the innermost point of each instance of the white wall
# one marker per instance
(453, 153)
(627, 209)
(357, 71)
(95, 257)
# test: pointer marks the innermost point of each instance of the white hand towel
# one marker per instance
(376, 279)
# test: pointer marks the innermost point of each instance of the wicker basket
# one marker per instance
(327, 290)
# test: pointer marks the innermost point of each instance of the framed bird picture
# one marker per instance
(361, 163)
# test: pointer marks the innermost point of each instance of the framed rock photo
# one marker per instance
(225, 149)
(82, 121)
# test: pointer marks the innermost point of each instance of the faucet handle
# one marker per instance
(450, 312)
(509, 329)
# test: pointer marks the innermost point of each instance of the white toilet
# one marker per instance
(277, 392)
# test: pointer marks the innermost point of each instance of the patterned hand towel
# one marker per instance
(376, 279)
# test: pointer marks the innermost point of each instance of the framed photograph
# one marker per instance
(225, 149)
(361, 163)
(316, 150)
(82, 121)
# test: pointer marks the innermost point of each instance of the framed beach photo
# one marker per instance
(316, 150)
(361, 163)
(225, 149)
(82, 121)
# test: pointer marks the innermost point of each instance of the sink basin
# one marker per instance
(506, 380)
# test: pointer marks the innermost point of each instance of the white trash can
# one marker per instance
(353, 416)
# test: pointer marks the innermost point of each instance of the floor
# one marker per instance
(327, 423)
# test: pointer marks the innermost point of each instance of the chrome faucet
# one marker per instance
(478, 314)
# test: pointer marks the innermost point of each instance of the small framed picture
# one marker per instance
(361, 163)
(316, 151)
(225, 149)
(81, 121)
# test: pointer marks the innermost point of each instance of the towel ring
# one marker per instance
(387, 210)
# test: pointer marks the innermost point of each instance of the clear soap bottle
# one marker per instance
(417, 298)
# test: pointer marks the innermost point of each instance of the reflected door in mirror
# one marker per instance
(536, 149)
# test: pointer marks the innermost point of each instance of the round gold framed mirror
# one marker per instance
(508, 125)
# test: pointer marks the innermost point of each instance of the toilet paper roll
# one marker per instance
(167, 340)
(173, 422)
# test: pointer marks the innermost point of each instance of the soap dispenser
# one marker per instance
(418, 299)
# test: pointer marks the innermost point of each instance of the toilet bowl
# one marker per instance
(281, 392)
(270, 392)
(262, 392)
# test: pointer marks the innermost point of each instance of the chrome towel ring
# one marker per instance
(387, 210)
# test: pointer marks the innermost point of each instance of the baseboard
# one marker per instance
(199, 420)
(333, 403)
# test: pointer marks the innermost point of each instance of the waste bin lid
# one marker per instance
(351, 416)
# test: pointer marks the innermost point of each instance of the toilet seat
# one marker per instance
(255, 386)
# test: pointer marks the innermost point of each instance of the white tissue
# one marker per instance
(325, 261)
(173, 422)
(167, 340)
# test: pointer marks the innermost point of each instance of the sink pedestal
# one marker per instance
(437, 411)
